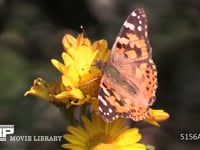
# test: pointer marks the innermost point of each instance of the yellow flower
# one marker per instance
(99, 135)
(156, 115)
(80, 77)
(50, 91)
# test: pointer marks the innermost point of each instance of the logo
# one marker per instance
(6, 130)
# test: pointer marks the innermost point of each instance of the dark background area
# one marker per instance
(31, 33)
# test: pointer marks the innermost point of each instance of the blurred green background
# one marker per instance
(31, 33)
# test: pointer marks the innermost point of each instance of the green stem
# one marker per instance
(68, 114)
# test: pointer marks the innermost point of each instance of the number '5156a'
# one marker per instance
(190, 136)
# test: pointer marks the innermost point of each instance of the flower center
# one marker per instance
(98, 139)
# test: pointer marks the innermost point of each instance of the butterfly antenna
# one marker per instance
(83, 30)
(87, 66)
(90, 81)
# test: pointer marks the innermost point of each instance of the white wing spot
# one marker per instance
(129, 25)
(104, 90)
(150, 61)
(134, 14)
(154, 93)
(139, 28)
(140, 22)
(138, 17)
(102, 100)
(154, 67)
(100, 109)
(110, 110)
(145, 33)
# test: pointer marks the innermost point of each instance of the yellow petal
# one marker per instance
(74, 94)
(67, 59)
(155, 116)
(81, 41)
(113, 128)
(159, 114)
(71, 78)
(102, 47)
(79, 132)
(124, 138)
(68, 83)
(68, 40)
(136, 146)
(88, 126)
(103, 146)
(73, 147)
(73, 139)
(62, 68)
(40, 89)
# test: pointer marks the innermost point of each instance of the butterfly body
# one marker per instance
(129, 81)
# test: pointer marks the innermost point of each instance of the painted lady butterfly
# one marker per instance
(129, 81)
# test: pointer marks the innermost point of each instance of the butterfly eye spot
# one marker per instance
(133, 110)
(139, 109)
(153, 79)
(119, 45)
(152, 92)
(147, 88)
(147, 71)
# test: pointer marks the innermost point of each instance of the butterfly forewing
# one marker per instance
(132, 42)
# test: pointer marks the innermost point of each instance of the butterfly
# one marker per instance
(129, 81)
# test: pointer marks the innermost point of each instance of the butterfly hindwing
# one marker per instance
(110, 101)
